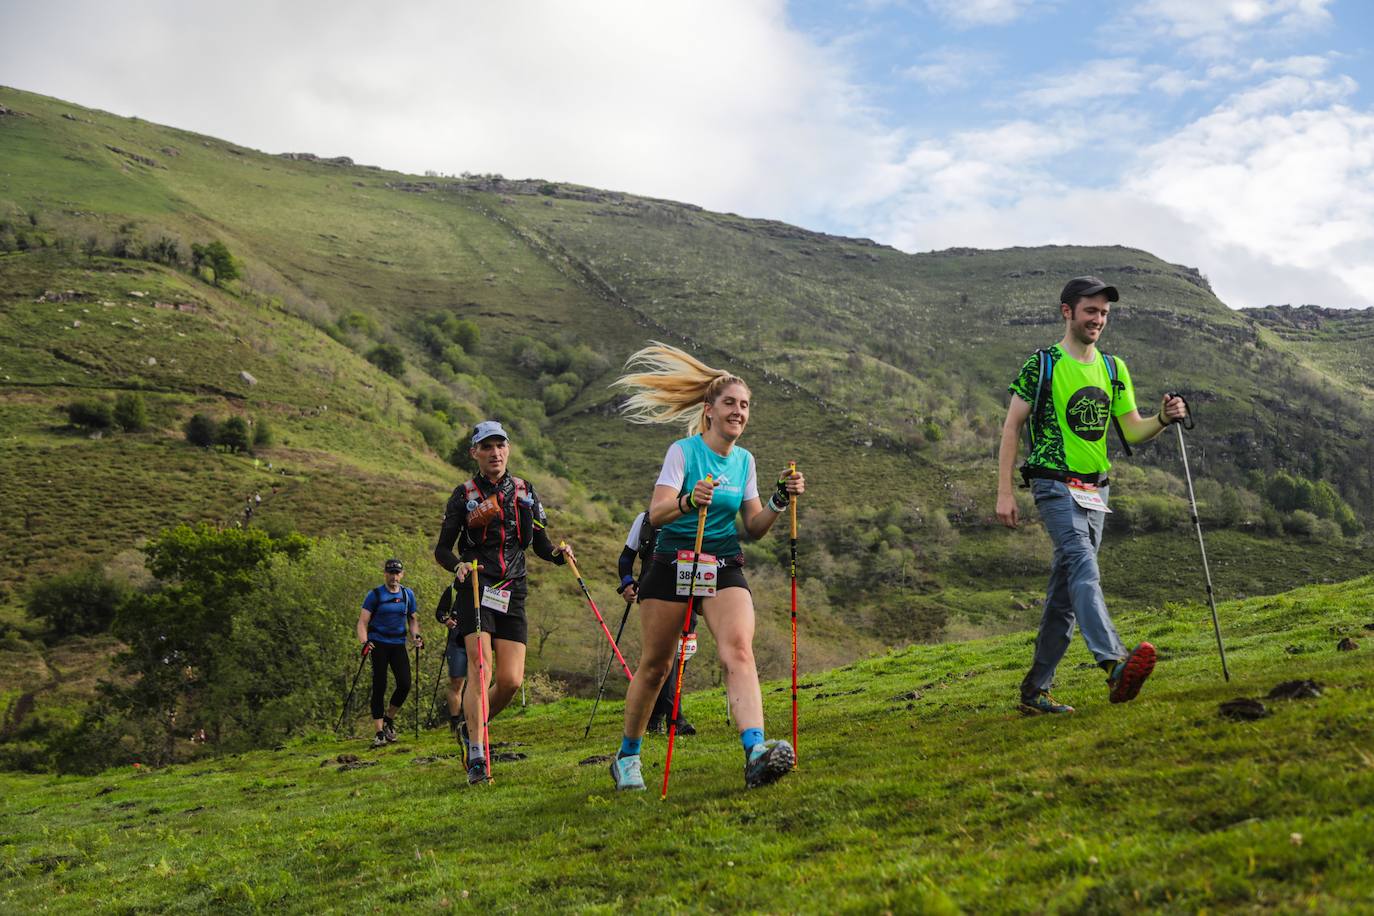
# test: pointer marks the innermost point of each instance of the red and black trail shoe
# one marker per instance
(1130, 673)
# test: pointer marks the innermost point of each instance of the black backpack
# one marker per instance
(648, 536)
(1044, 391)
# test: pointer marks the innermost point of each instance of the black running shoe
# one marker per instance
(477, 771)
(768, 762)
(684, 727)
(655, 725)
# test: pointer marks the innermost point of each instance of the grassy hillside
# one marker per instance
(883, 374)
(919, 790)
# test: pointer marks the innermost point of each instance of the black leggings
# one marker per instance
(386, 655)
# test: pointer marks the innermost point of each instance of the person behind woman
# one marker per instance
(673, 386)
(388, 613)
(639, 544)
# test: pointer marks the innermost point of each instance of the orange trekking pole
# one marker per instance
(682, 643)
(481, 673)
(792, 470)
(595, 610)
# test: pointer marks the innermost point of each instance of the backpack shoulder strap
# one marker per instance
(1043, 389)
(471, 491)
(1116, 385)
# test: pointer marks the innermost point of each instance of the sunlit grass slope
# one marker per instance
(919, 790)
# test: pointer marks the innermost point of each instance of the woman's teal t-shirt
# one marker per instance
(689, 460)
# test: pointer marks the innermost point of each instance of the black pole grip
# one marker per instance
(1187, 421)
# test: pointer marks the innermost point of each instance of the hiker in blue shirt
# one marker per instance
(388, 613)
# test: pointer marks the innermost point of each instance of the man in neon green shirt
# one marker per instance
(1075, 393)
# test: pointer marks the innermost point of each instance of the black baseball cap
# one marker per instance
(393, 565)
(1079, 287)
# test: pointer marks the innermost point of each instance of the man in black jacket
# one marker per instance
(493, 518)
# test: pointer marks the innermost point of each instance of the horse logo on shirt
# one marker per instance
(1087, 413)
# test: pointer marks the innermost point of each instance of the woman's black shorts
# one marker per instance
(660, 581)
(511, 625)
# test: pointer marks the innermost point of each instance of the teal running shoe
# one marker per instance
(1043, 704)
(625, 772)
(768, 762)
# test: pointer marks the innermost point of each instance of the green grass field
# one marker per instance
(919, 789)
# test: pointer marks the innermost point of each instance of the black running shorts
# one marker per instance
(660, 582)
(510, 625)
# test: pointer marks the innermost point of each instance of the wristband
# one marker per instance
(681, 506)
(625, 582)
(776, 505)
(691, 501)
(1162, 422)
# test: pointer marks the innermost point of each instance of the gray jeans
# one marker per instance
(1075, 592)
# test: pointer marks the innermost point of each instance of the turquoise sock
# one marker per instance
(750, 738)
(629, 747)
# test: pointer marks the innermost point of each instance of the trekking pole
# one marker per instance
(367, 649)
(1187, 423)
(682, 644)
(792, 505)
(430, 718)
(607, 673)
(481, 674)
(599, 619)
(417, 692)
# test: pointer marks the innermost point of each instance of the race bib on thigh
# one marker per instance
(708, 573)
(496, 599)
(1088, 496)
(688, 645)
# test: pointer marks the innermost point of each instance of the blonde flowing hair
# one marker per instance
(667, 385)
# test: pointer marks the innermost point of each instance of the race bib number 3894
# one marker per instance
(707, 575)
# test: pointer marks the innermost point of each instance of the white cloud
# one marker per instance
(717, 102)
(1271, 194)
(1088, 81)
(950, 68)
(1282, 172)
(1214, 28)
(966, 13)
(722, 103)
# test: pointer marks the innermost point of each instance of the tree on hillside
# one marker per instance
(201, 430)
(174, 632)
(77, 603)
(388, 358)
(233, 434)
(130, 413)
(216, 257)
(262, 434)
(90, 414)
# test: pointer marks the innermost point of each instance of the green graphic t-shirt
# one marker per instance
(1071, 432)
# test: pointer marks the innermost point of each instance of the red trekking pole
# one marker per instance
(599, 619)
(682, 644)
(792, 470)
(481, 673)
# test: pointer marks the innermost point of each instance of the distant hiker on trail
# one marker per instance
(1069, 394)
(672, 386)
(639, 543)
(493, 518)
(388, 611)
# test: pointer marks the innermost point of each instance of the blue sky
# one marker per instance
(1236, 136)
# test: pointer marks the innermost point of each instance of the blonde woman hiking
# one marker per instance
(706, 470)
